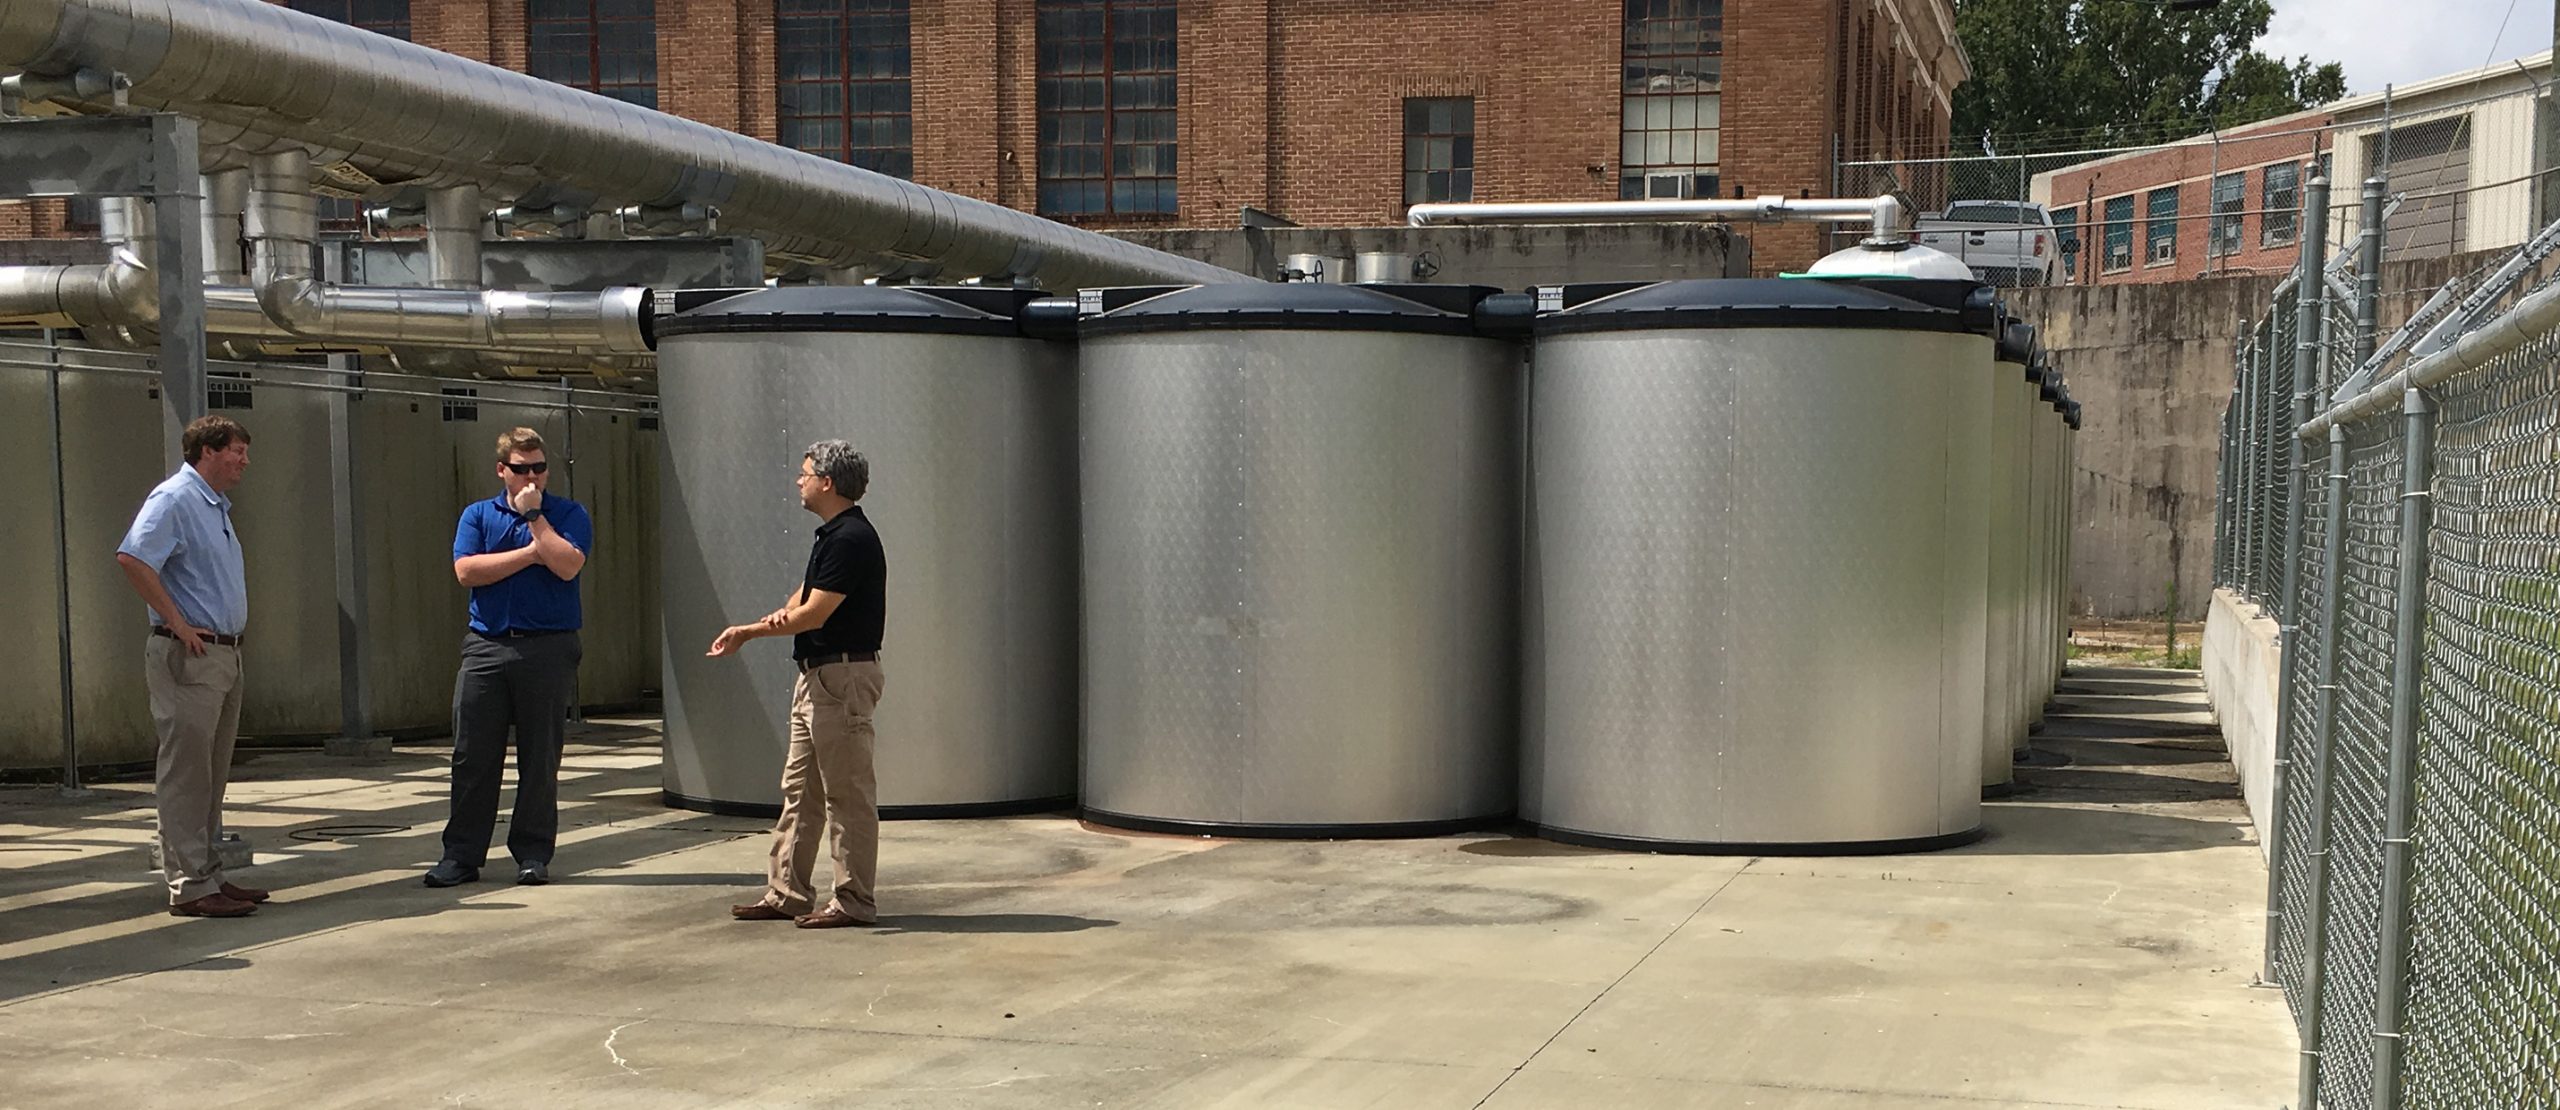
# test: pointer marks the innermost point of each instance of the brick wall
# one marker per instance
(1778, 77)
(958, 145)
(1297, 108)
(701, 60)
(2291, 140)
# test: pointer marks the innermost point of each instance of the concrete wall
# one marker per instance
(2152, 366)
(1510, 257)
(2242, 666)
(415, 471)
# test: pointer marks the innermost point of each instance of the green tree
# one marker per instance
(2054, 74)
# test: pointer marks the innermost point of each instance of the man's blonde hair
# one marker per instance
(514, 440)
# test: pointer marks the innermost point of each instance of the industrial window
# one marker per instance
(1107, 103)
(1439, 149)
(382, 17)
(2066, 229)
(602, 46)
(2119, 233)
(2282, 193)
(2160, 226)
(2230, 193)
(1670, 105)
(461, 406)
(843, 68)
(81, 214)
(648, 415)
(226, 389)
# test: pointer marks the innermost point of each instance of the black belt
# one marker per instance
(816, 661)
(521, 634)
(208, 637)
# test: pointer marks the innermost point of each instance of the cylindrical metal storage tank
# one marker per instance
(2058, 592)
(2005, 687)
(1300, 573)
(970, 431)
(2046, 435)
(2024, 487)
(1739, 540)
(1977, 640)
(1386, 267)
(2070, 480)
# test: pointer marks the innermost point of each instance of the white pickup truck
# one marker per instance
(2008, 243)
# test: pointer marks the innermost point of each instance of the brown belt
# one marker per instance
(208, 637)
(816, 661)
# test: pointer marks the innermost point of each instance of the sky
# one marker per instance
(2391, 42)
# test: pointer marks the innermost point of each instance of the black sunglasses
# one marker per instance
(527, 468)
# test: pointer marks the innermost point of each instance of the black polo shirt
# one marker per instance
(846, 559)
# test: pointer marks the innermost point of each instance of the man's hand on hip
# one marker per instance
(189, 637)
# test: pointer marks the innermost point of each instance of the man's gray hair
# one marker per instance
(837, 461)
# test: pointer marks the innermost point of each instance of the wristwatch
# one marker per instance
(534, 513)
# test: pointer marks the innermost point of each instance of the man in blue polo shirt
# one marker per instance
(181, 556)
(520, 552)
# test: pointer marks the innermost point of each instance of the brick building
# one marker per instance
(2460, 151)
(1181, 113)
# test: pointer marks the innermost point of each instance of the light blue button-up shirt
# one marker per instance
(184, 533)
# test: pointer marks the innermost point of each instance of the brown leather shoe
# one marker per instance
(213, 905)
(832, 918)
(249, 894)
(758, 911)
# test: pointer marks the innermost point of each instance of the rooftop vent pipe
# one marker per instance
(1883, 214)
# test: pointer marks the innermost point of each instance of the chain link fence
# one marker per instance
(2412, 560)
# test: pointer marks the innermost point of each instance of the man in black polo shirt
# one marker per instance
(834, 622)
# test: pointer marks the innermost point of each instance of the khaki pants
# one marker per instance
(827, 777)
(195, 707)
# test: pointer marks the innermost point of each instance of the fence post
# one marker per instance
(2324, 742)
(2408, 643)
(2309, 310)
(2225, 509)
(2369, 280)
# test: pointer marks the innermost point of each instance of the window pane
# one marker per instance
(1106, 74)
(850, 61)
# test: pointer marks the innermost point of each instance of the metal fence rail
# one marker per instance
(2414, 891)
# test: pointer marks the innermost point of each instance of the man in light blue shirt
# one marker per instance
(184, 560)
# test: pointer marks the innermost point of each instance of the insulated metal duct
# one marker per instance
(284, 233)
(263, 77)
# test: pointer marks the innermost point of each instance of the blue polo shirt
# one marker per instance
(532, 599)
(184, 534)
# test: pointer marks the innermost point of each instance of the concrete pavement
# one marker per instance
(2096, 950)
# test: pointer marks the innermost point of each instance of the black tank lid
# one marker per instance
(1741, 303)
(1417, 307)
(1981, 305)
(939, 309)
(2017, 343)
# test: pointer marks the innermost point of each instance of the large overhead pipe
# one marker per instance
(261, 75)
(284, 233)
(1884, 214)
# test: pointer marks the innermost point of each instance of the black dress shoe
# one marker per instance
(533, 874)
(450, 873)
